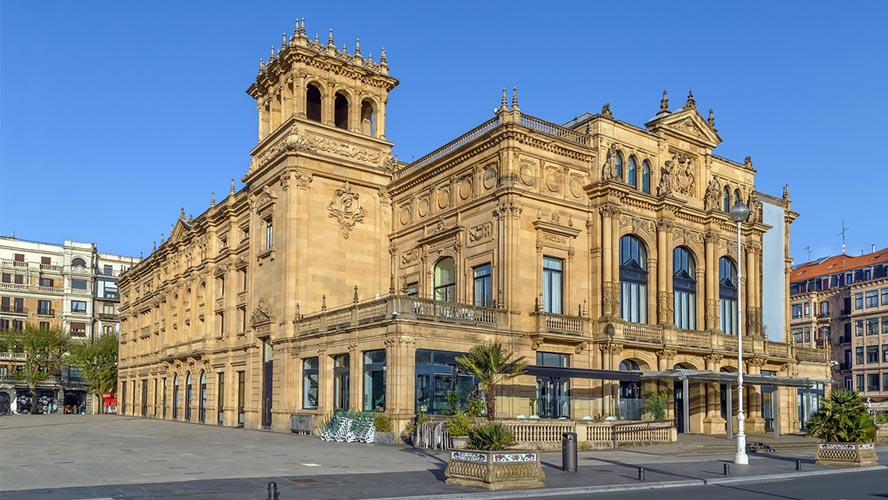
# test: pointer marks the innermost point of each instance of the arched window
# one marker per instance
(202, 402)
(630, 393)
(340, 111)
(632, 174)
(737, 197)
(646, 177)
(633, 279)
(445, 280)
(684, 286)
(726, 203)
(175, 396)
(618, 166)
(78, 262)
(727, 295)
(313, 103)
(188, 397)
(368, 119)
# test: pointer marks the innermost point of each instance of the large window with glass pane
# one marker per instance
(482, 286)
(445, 279)
(632, 173)
(684, 286)
(646, 177)
(727, 295)
(374, 381)
(441, 387)
(553, 393)
(341, 382)
(553, 284)
(310, 383)
(633, 279)
(630, 393)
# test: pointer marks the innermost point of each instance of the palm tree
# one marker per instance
(492, 366)
(842, 418)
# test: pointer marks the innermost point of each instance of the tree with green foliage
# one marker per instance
(492, 365)
(97, 362)
(43, 350)
(842, 418)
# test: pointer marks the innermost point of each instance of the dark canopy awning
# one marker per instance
(555, 371)
(731, 378)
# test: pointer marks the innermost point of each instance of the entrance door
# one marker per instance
(552, 399)
(678, 405)
(145, 398)
(267, 373)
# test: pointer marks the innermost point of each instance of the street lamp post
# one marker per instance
(739, 213)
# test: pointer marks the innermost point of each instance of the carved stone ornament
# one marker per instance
(684, 177)
(346, 209)
(260, 315)
(713, 192)
(664, 188)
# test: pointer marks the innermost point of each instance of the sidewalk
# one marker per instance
(134, 458)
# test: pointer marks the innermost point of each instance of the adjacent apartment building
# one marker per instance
(69, 286)
(841, 303)
(339, 278)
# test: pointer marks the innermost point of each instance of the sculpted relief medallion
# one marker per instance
(346, 209)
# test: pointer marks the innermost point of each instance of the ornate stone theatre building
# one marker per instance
(340, 278)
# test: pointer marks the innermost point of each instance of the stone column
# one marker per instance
(713, 423)
(711, 315)
(664, 358)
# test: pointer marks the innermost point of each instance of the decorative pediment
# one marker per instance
(686, 124)
(180, 231)
(221, 269)
(261, 315)
(264, 200)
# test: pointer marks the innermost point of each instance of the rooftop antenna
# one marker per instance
(808, 249)
(844, 230)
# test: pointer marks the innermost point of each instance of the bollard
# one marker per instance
(569, 451)
(641, 473)
(727, 469)
(798, 464)
(273, 491)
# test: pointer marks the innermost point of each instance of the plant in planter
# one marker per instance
(487, 463)
(847, 429)
(458, 427)
(383, 427)
(492, 365)
(655, 405)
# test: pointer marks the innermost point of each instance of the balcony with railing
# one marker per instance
(14, 311)
(14, 287)
(51, 268)
(108, 316)
(46, 312)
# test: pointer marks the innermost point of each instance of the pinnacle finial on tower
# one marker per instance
(330, 39)
(382, 59)
(358, 47)
(212, 199)
(786, 191)
(284, 41)
(711, 119)
(664, 103)
(231, 190)
(317, 39)
(182, 213)
(271, 57)
(504, 104)
(515, 97)
(161, 239)
(302, 27)
(261, 65)
(691, 104)
(154, 247)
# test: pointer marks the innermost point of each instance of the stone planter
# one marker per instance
(384, 437)
(459, 442)
(854, 454)
(495, 470)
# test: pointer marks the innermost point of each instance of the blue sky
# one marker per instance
(113, 115)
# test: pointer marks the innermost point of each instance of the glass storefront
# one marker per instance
(341, 382)
(553, 393)
(374, 381)
(437, 377)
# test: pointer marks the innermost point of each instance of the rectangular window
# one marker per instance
(44, 325)
(885, 380)
(848, 384)
(872, 298)
(4, 304)
(858, 356)
(78, 306)
(269, 234)
(4, 324)
(884, 324)
(411, 290)
(18, 305)
(860, 383)
(824, 308)
(482, 286)
(858, 328)
(6, 278)
(78, 284)
(552, 394)
(796, 311)
(243, 279)
(19, 257)
(872, 326)
(17, 325)
(241, 397)
(44, 308)
(872, 354)
(807, 335)
(872, 382)
(78, 329)
(220, 286)
(885, 353)
(220, 318)
(553, 285)
(807, 309)
(107, 270)
(310, 383)
(797, 335)
(46, 282)
(885, 296)
(858, 301)
(374, 381)
(19, 279)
